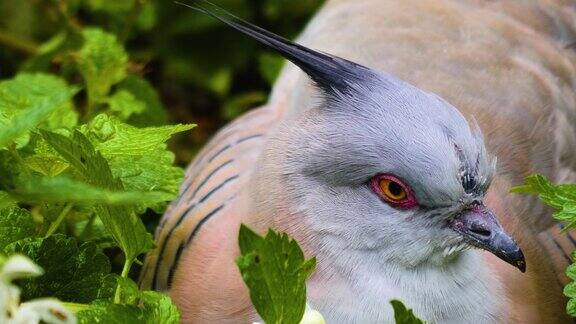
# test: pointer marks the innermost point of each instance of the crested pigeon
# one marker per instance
(377, 153)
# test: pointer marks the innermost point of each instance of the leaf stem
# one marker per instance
(69, 22)
(75, 307)
(21, 45)
(88, 226)
(56, 224)
(124, 274)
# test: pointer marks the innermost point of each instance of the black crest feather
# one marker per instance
(329, 72)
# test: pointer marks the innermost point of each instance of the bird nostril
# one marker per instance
(480, 231)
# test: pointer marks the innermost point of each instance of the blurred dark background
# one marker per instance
(203, 72)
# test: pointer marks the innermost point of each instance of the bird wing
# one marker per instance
(215, 177)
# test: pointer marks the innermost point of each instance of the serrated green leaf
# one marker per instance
(570, 290)
(148, 307)
(44, 159)
(275, 271)
(15, 224)
(154, 114)
(403, 315)
(138, 156)
(31, 100)
(72, 273)
(129, 293)
(158, 308)
(46, 165)
(80, 153)
(571, 271)
(123, 105)
(571, 307)
(110, 313)
(124, 225)
(102, 61)
(63, 189)
(108, 287)
(561, 197)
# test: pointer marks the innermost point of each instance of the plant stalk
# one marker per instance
(75, 307)
(131, 20)
(56, 224)
(18, 44)
(124, 274)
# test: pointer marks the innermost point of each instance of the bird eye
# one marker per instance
(393, 191)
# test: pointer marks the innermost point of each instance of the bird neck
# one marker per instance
(357, 288)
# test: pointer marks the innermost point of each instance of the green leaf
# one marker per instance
(138, 156)
(147, 18)
(80, 153)
(15, 224)
(129, 293)
(55, 49)
(31, 100)
(72, 273)
(124, 225)
(63, 189)
(44, 159)
(571, 271)
(123, 105)
(158, 308)
(275, 271)
(154, 113)
(102, 62)
(402, 315)
(571, 307)
(110, 313)
(148, 307)
(570, 290)
(220, 81)
(12, 170)
(46, 164)
(6, 200)
(561, 197)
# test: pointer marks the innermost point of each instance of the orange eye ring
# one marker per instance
(393, 191)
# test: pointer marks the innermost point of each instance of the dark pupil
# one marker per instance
(395, 189)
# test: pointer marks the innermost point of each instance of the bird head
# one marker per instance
(388, 168)
(377, 166)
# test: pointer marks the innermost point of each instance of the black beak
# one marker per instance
(479, 227)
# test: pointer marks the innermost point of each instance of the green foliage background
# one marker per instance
(203, 72)
(90, 93)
